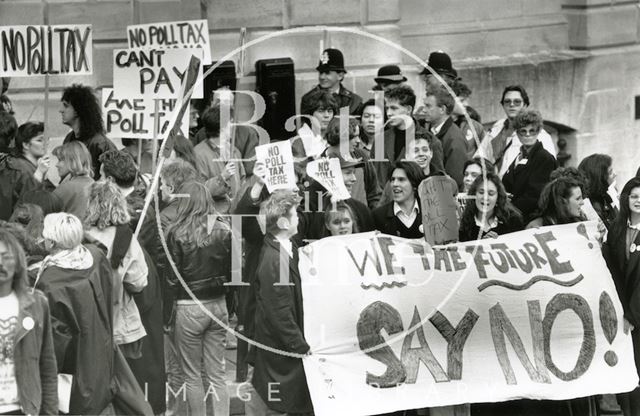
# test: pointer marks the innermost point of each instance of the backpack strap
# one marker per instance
(121, 243)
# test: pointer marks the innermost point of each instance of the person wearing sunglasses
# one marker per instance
(529, 172)
(501, 147)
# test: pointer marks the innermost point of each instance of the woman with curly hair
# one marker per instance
(598, 170)
(107, 222)
(560, 203)
(489, 214)
(81, 111)
(529, 172)
(74, 169)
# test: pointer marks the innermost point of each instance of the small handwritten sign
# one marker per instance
(278, 161)
(439, 210)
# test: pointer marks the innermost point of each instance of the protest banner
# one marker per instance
(278, 160)
(439, 210)
(194, 67)
(135, 117)
(532, 314)
(165, 35)
(328, 173)
(46, 50)
(152, 73)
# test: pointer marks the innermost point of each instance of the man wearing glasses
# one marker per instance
(502, 146)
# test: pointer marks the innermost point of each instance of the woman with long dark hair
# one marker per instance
(402, 215)
(598, 170)
(622, 253)
(560, 203)
(200, 245)
(30, 150)
(489, 214)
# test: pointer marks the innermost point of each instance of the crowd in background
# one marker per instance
(123, 319)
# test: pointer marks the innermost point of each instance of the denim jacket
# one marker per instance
(34, 356)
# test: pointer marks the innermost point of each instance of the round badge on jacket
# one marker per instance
(28, 323)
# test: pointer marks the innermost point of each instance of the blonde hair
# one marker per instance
(65, 230)
(76, 156)
(278, 206)
(107, 206)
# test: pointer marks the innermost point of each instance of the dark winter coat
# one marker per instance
(81, 313)
(525, 181)
(14, 182)
(454, 146)
(279, 325)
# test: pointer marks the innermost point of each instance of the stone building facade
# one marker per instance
(579, 59)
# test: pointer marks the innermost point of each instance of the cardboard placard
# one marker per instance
(533, 314)
(135, 117)
(166, 35)
(152, 73)
(439, 210)
(46, 50)
(328, 173)
(278, 160)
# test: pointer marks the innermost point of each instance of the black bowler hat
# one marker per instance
(390, 73)
(331, 60)
(440, 62)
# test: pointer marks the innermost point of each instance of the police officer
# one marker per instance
(330, 75)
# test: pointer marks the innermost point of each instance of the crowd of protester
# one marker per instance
(122, 307)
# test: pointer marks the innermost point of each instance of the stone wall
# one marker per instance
(579, 59)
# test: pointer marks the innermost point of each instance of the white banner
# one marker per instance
(165, 35)
(152, 73)
(41, 50)
(393, 324)
(135, 117)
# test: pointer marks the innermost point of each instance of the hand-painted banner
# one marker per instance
(395, 324)
(135, 118)
(46, 50)
(165, 35)
(278, 161)
(152, 73)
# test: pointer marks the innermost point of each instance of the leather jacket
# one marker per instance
(203, 268)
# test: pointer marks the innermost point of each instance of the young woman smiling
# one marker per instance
(490, 215)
